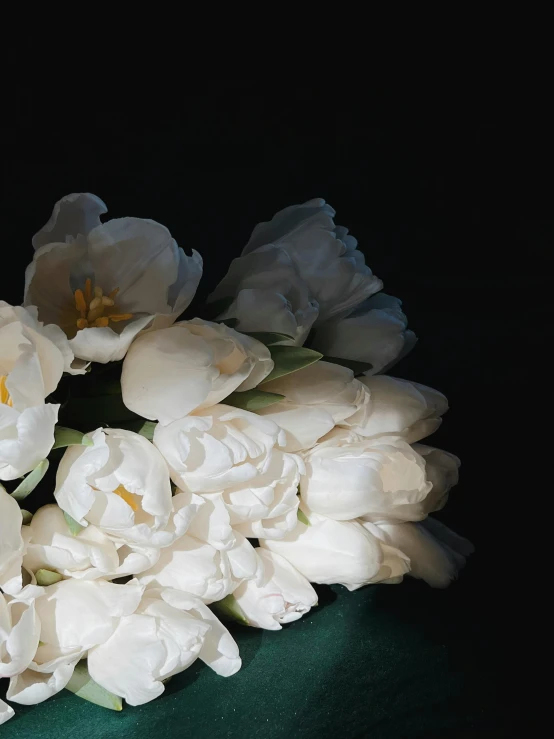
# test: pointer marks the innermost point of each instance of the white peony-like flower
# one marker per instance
(325, 256)
(12, 546)
(283, 596)
(33, 358)
(401, 408)
(376, 332)
(317, 398)
(269, 295)
(436, 553)
(333, 552)
(91, 554)
(235, 452)
(166, 634)
(75, 616)
(348, 476)
(170, 373)
(197, 567)
(6, 712)
(104, 283)
(121, 485)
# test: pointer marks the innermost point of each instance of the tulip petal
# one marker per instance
(74, 214)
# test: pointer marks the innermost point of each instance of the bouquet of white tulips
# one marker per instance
(161, 472)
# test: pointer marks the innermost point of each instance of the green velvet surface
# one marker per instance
(386, 662)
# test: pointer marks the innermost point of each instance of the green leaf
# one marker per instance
(47, 577)
(358, 368)
(69, 437)
(215, 308)
(142, 427)
(31, 481)
(303, 518)
(27, 517)
(252, 400)
(84, 686)
(268, 337)
(73, 525)
(290, 359)
(229, 610)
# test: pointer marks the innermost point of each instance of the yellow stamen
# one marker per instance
(5, 396)
(94, 314)
(130, 498)
(94, 307)
(80, 302)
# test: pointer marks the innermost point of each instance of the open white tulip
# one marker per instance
(324, 255)
(376, 332)
(33, 358)
(104, 283)
(436, 553)
(401, 408)
(237, 453)
(19, 635)
(196, 567)
(12, 546)
(348, 477)
(121, 485)
(283, 596)
(75, 616)
(170, 373)
(317, 398)
(166, 634)
(333, 552)
(269, 295)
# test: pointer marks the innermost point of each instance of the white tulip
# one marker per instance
(121, 485)
(234, 451)
(348, 477)
(268, 295)
(90, 554)
(316, 399)
(376, 332)
(104, 283)
(12, 546)
(170, 373)
(32, 360)
(75, 616)
(401, 408)
(19, 635)
(441, 469)
(436, 553)
(166, 634)
(324, 255)
(338, 552)
(196, 567)
(283, 596)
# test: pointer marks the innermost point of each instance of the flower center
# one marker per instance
(130, 498)
(96, 309)
(5, 396)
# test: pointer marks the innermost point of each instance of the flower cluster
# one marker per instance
(220, 467)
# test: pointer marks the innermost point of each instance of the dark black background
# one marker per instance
(452, 207)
